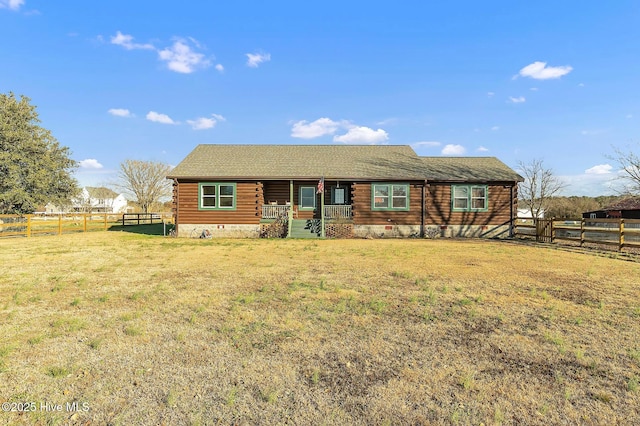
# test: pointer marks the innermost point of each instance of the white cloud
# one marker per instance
(219, 68)
(203, 123)
(126, 41)
(160, 118)
(322, 126)
(518, 100)
(490, 94)
(364, 135)
(600, 169)
(540, 71)
(90, 163)
(534, 89)
(580, 84)
(11, 4)
(429, 144)
(181, 57)
(494, 128)
(592, 184)
(593, 132)
(629, 116)
(326, 126)
(120, 112)
(255, 59)
(482, 149)
(451, 149)
(388, 122)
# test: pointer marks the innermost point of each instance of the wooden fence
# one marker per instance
(618, 233)
(143, 218)
(47, 224)
(30, 225)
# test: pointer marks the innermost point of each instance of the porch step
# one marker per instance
(305, 228)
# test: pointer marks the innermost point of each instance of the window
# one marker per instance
(217, 196)
(338, 195)
(226, 196)
(469, 198)
(208, 196)
(388, 196)
(460, 197)
(307, 197)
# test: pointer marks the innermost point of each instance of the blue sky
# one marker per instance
(150, 80)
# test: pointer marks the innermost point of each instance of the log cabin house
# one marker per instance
(311, 191)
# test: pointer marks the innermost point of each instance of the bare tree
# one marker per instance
(146, 181)
(629, 163)
(540, 184)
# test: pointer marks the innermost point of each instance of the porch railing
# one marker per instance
(272, 211)
(337, 211)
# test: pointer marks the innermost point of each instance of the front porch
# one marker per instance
(294, 208)
(303, 199)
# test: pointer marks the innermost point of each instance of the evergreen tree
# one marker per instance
(34, 168)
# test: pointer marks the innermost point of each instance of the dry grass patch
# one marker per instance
(148, 330)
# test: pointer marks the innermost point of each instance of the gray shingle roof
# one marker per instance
(469, 169)
(301, 161)
(101, 192)
(357, 162)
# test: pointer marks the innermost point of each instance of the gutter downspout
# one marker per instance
(422, 218)
(511, 224)
(176, 198)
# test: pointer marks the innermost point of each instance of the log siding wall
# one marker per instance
(364, 215)
(439, 212)
(251, 195)
(249, 200)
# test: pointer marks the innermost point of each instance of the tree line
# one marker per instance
(572, 207)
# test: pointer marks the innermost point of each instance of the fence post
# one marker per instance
(138, 218)
(59, 223)
(582, 232)
(84, 225)
(105, 221)
(621, 235)
(28, 225)
(553, 229)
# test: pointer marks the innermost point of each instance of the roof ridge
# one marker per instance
(303, 144)
(457, 157)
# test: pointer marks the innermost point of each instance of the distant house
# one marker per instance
(628, 208)
(341, 190)
(93, 200)
(100, 200)
(526, 214)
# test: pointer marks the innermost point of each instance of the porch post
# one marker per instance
(322, 232)
(290, 214)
